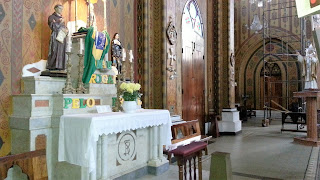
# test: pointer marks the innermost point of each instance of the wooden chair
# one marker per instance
(33, 164)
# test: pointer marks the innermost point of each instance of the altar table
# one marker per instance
(79, 135)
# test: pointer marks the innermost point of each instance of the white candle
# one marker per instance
(106, 57)
(130, 56)
(124, 55)
(69, 47)
(68, 44)
(81, 46)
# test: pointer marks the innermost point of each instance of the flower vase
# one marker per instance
(129, 106)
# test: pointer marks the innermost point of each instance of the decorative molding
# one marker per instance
(41, 142)
(41, 103)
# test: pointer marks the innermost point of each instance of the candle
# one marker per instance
(106, 58)
(124, 55)
(81, 46)
(131, 56)
(68, 47)
(68, 44)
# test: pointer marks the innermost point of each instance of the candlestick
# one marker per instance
(81, 46)
(68, 89)
(76, 16)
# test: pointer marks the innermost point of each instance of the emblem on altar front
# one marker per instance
(126, 147)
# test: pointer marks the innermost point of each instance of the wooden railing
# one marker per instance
(33, 164)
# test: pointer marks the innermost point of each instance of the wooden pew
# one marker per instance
(33, 164)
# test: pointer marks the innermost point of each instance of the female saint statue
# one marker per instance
(309, 68)
(57, 46)
(117, 51)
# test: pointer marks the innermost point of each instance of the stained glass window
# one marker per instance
(191, 18)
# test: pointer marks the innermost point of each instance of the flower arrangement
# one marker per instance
(130, 91)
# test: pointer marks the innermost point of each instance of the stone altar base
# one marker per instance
(230, 124)
(118, 165)
(36, 115)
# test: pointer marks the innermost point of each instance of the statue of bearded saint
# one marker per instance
(309, 68)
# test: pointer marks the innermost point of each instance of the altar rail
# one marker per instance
(33, 164)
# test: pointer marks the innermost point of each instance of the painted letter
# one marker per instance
(81, 104)
(67, 101)
(75, 104)
(90, 102)
(105, 79)
(109, 63)
(98, 78)
(110, 80)
(93, 79)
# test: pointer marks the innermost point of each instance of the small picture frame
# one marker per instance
(103, 109)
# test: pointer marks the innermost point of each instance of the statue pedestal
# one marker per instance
(230, 124)
(311, 113)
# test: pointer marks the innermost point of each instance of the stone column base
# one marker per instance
(230, 124)
(307, 141)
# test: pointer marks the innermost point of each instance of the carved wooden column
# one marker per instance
(311, 114)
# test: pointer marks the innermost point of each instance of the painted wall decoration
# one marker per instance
(24, 39)
(249, 46)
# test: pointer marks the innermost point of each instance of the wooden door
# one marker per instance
(273, 91)
(193, 76)
(188, 107)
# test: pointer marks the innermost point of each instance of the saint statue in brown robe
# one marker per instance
(57, 46)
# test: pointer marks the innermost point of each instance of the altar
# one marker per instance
(113, 145)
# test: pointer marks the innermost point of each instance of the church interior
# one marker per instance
(154, 89)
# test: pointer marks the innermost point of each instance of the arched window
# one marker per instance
(191, 18)
(271, 69)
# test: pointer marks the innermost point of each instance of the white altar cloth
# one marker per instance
(79, 133)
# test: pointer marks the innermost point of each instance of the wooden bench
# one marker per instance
(33, 164)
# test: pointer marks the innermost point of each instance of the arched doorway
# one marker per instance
(271, 85)
(193, 65)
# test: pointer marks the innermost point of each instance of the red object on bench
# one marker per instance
(187, 153)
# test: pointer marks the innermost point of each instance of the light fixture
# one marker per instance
(259, 2)
(256, 24)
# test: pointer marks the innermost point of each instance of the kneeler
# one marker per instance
(187, 153)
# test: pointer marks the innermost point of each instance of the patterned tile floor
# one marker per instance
(257, 153)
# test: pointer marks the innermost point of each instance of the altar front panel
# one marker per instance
(127, 151)
(107, 146)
